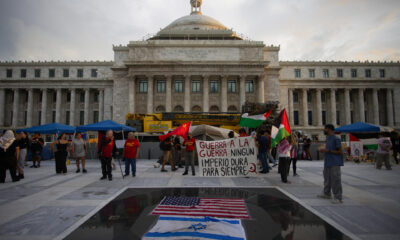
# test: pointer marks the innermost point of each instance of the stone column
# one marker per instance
(29, 108)
(168, 94)
(318, 113)
(132, 92)
(187, 93)
(15, 108)
(361, 105)
(205, 93)
(242, 90)
(58, 105)
(396, 102)
(87, 102)
(108, 102)
(305, 107)
(291, 110)
(260, 92)
(389, 107)
(101, 105)
(2, 103)
(44, 107)
(347, 111)
(224, 93)
(150, 97)
(375, 105)
(333, 106)
(72, 107)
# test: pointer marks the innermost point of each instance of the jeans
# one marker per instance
(189, 159)
(271, 158)
(130, 162)
(263, 158)
(106, 166)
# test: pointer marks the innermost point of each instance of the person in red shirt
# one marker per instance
(242, 133)
(189, 144)
(107, 150)
(131, 153)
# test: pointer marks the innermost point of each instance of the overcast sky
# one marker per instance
(305, 29)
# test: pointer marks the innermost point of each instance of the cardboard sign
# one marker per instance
(356, 149)
(234, 157)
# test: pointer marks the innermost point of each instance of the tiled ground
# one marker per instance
(45, 205)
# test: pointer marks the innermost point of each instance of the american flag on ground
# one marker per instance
(196, 206)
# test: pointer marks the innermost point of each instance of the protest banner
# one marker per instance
(234, 157)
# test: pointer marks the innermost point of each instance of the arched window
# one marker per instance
(214, 109)
(160, 109)
(178, 109)
(232, 109)
(196, 109)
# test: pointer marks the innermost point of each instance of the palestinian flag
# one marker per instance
(280, 129)
(369, 140)
(253, 121)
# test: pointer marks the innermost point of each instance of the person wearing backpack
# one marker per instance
(166, 146)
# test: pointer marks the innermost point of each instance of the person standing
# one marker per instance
(9, 153)
(23, 151)
(107, 150)
(189, 144)
(382, 155)
(167, 147)
(242, 133)
(37, 144)
(131, 153)
(177, 152)
(333, 154)
(284, 158)
(293, 155)
(60, 153)
(269, 152)
(263, 144)
(79, 151)
(396, 146)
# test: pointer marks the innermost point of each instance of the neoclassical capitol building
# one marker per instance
(196, 64)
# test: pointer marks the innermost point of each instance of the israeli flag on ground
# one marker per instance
(176, 227)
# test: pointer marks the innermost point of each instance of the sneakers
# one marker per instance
(274, 165)
(163, 170)
(174, 169)
(78, 170)
(84, 171)
(109, 178)
(103, 177)
(33, 166)
(125, 175)
(324, 196)
(336, 201)
(185, 173)
(193, 173)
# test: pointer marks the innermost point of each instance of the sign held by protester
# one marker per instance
(234, 157)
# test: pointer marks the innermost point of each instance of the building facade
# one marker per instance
(196, 64)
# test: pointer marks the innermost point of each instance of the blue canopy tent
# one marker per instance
(104, 126)
(52, 128)
(361, 127)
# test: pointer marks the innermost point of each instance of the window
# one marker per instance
(352, 116)
(296, 117)
(9, 73)
(143, 86)
(161, 86)
(96, 97)
(309, 97)
(367, 73)
(311, 72)
(82, 97)
(54, 96)
(325, 73)
(68, 97)
(339, 72)
(40, 118)
(382, 73)
(249, 85)
(323, 96)
(323, 117)
(93, 73)
(65, 72)
(25, 117)
(214, 86)
(295, 97)
(81, 117)
(52, 73)
(297, 73)
(353, 73)
(337, 117)
(232, 86)
(196, 86)
(178, 86)
(53, 116)
(95, 116)
(309, 117)
(23, 73)
(37, 73)
(67, 117)
(79, 73)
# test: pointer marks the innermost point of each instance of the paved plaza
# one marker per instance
(49, 206)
